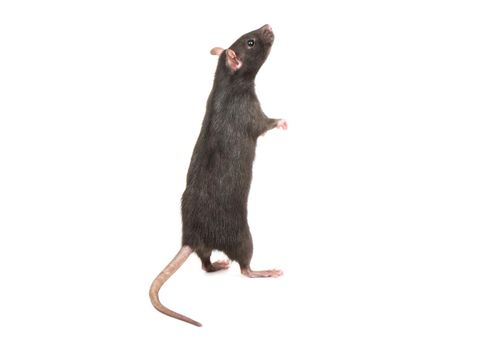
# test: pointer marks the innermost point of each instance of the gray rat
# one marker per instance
(214, 203)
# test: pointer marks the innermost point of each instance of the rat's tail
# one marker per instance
(158, 282)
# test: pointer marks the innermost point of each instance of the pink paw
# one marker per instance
(221, 264)
(264, 273)
(282, 123)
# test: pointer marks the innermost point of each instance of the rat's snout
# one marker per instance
(267, 32)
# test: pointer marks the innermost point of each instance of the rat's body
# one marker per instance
(214, 203)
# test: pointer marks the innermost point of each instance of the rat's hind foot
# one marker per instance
(265, 273)
(217, 265)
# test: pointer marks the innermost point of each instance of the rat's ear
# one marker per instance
(216, 51)
(232, 60)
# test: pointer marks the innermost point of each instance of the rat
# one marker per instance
(214, 203)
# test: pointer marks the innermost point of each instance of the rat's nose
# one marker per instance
(267, 33)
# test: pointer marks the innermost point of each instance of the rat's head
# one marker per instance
(245, 57)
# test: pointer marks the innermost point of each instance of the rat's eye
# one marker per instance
(251, 42)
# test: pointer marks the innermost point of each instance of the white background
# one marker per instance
(371, 202)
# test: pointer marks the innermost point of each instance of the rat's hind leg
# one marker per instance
(245, 252)
(207, 265)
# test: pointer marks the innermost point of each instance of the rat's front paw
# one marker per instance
(282, 123)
